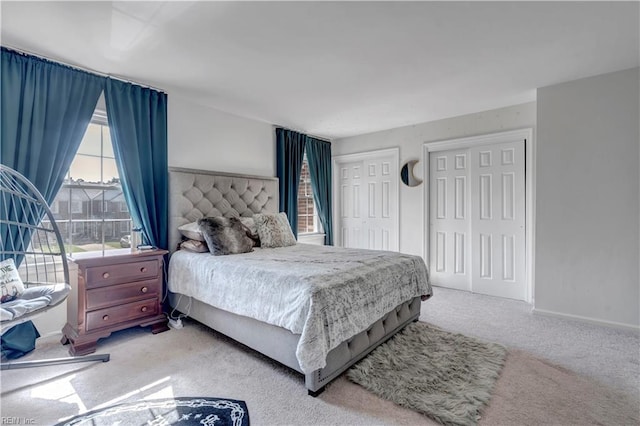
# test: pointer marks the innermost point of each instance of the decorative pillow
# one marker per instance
(194, 246)
(225, 235)
(250, 224)
(191, 231)
(10, 281)
(274, 230)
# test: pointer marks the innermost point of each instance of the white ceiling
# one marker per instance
(335, 69)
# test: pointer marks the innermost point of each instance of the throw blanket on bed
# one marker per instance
(325, 294)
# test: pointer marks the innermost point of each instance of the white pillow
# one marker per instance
(194, 246)
(10, 282)
(191, 231)
(274, 230)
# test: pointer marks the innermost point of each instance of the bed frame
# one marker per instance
(195, 194)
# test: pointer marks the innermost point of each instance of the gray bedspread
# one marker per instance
(325, 294)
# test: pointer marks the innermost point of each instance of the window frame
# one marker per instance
(317, 225)
(94, 221)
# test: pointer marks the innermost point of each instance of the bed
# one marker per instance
(315, 309)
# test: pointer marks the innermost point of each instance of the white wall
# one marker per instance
(205, 138)
(587, 229)
(410, 140)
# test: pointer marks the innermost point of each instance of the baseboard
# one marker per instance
(590, 320)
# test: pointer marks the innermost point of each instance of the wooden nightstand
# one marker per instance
(113, 292)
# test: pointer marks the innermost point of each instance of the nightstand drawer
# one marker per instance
(123, 313)
(118, 294)
(122, 273)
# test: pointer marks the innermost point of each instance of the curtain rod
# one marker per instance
(275, 126)
(81, 68)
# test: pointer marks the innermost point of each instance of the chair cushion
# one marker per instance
(32, 300)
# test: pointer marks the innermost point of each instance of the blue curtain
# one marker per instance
(319, 158)
(290, 154)
(45, 109)
(138, 124)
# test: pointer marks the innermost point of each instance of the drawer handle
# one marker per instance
(144, 309)
(144, 289)
(105, 318)
(105, 275)
(143, 269)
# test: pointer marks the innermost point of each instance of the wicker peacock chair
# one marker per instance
(31, 244)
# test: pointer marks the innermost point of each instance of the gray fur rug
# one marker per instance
(448, 377)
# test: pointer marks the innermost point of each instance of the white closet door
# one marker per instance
(498, 220)
(350, 205)
(366, 200)
(477, 219)
(449, 219)
(379, 202)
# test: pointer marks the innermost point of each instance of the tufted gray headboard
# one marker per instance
(194, 194)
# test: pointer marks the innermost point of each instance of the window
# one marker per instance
(76, 206)
(92, 213)
(308, 221)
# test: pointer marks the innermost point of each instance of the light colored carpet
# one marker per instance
(608, 355)
(596, 382)
(532, 391)
(446, 376)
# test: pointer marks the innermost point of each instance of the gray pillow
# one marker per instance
(250, 223)
(225, 235)
(274, 230)
(252, 230)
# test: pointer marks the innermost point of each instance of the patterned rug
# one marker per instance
(176, 411)
(448, 377)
